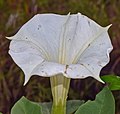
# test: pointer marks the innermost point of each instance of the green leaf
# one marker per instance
(72, 106)
(46, 107)
(24, 106)
(0, 113)
(113, 81)
(103, 104)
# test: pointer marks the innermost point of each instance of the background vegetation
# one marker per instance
(14, 13)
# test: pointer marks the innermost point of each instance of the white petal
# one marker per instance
(92, 57)
(47, 43)
(48, 69)
(87, 45)
(84, 34)
(80, 71)
(96, 56)
(28, 57)
(43, 30)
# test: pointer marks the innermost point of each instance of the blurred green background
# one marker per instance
(14, 13)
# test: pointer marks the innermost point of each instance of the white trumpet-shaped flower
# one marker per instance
(60, 46)
(50, 44)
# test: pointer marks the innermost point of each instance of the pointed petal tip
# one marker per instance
(10, 38)
(26, 80)
(69, 13)
(100, 80)
(79, 13)
(108, 27)
(24, 84)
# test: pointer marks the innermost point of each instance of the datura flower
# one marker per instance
(61, 47)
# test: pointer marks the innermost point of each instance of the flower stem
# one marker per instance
(58, 109)
(59, 87)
